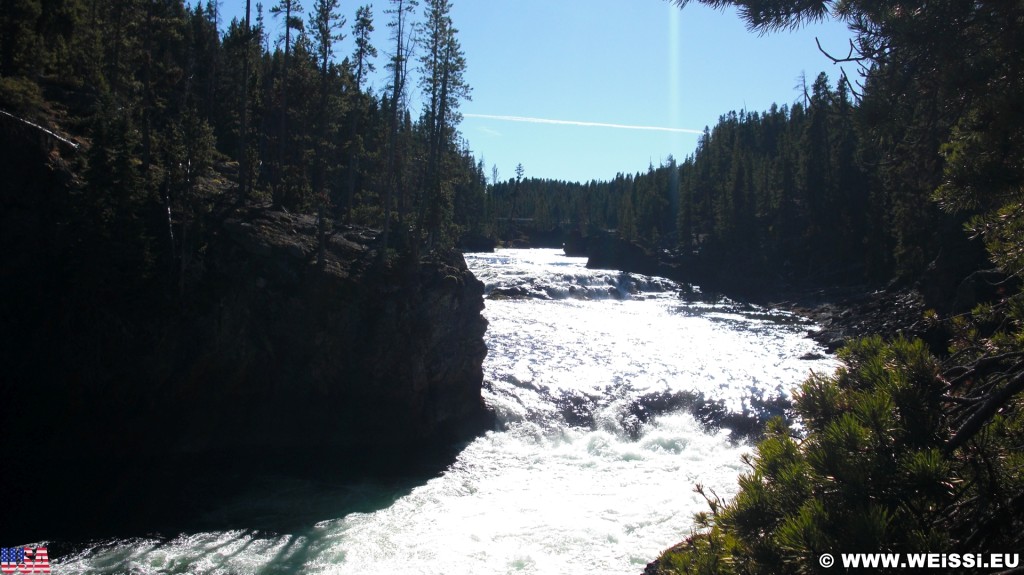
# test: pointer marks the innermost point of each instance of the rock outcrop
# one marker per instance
(275, 353)
(352, 355)
(136, 384)
(607, 251)
(122, 384)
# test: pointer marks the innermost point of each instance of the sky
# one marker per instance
(584, 89)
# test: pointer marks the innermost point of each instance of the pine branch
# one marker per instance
(977, 421)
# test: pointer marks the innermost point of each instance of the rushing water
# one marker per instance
(604, 384)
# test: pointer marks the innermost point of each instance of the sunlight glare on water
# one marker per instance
(580, 479)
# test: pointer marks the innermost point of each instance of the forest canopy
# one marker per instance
(167, 96)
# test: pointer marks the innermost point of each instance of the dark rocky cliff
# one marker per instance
(358, 355)
(266, 360)
(272, 353)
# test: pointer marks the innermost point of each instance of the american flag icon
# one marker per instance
(24, 560)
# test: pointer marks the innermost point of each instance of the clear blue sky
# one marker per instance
(624, 62)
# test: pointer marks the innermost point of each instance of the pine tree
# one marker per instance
(19, 42)
(245, 175)
(363, 57)
(325, 23)
(116, 205)
(365, 52)
(443, 66)
(398, 66)
(288, 182)
(189, 153)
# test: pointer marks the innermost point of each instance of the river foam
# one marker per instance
(610, 412)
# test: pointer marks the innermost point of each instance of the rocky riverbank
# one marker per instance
(847, 313)
(843, 310)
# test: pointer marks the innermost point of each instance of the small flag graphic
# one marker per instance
(24, 560)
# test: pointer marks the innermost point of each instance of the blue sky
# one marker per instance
(642, 63)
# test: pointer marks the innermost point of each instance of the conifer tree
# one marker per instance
(443, 66)
(244, 171)
(365, 51)
(287, 182)
(325, 23)
(363, 57)
(189, 152)
(400, 12)
(19, 42)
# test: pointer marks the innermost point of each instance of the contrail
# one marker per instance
(577, 123)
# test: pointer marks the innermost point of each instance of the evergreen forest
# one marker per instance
(808, 193)
(904, 170)
(172, 111)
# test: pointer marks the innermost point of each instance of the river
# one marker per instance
(615, 393)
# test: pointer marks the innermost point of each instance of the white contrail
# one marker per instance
(578, 123)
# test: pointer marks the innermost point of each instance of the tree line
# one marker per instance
(165, 92)
(800, 191)
(180, 109)
(839, 185)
